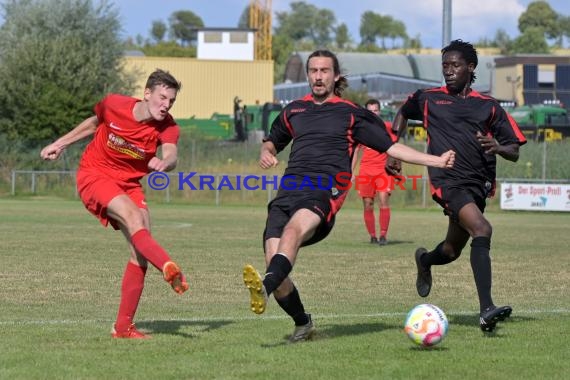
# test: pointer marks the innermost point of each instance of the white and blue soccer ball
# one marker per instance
(426, 325)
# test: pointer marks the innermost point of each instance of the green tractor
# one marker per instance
(541, 122)
(247, 122)
(217, 127)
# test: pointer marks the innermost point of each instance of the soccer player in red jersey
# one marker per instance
(127, 133)
(372, 181)
(325, 130)
(478, 129)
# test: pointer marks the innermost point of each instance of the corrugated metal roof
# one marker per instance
(362, 63)
(426, 67)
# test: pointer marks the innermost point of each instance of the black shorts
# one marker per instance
(321, 202)
(453, 198)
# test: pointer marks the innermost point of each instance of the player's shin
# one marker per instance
(277, 271)
(481, 266)
(293, 306)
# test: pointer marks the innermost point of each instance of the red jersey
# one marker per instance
(373, 161)
(122, 146)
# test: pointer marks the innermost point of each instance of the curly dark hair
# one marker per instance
(467, 51)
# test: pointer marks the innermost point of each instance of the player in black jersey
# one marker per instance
(477, 128)
(325, 130)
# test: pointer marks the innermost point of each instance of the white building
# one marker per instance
(226, 44)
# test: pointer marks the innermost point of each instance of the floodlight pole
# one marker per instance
(446, 35)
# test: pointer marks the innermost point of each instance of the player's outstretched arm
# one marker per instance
(393, 166)
(407, 154)
(168, 161)
(267, 155)
(86, 128)
(400, 124)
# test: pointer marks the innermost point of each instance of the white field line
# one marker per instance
(250, 318)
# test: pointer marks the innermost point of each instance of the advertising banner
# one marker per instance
(535, 197)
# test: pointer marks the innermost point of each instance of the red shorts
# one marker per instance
(96, 190)
(370, 183)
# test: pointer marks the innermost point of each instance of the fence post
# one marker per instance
(33, 182)
(13, 182)
(544, 160)
(74, 176)
(193, 154)
(217, 190)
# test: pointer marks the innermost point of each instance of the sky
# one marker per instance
(472, 20)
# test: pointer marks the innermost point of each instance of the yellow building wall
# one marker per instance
(208, 86)
(508, 83)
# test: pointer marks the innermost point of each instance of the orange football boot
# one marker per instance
(173, 275)
(130, 333)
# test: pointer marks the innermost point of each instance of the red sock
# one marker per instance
(384, 220)
(149, 248)
(369, 222)
(131, 290)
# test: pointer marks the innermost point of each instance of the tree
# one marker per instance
(342, 37)
(356, 96)
(503, 42)
(58, 58)
(414, 43)
(295, 24)
(183, 26)
(244, 18)
(158, 31)
(565, 26)
(304, 28)
(540, 15)
(323, 27)
(168, 49)
(384, 28)
(306, 22)
(531, 41)
(374, 26)
(281, 51)
(397, 30)
(368, 28)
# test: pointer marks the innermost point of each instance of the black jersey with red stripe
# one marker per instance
(452, 122)
(325, 135)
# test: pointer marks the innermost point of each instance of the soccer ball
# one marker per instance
(426, 325)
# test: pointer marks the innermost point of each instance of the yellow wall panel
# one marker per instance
(208, 86)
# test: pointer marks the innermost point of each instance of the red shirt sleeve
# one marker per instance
(170, 134)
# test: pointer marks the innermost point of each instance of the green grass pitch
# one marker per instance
(60, 275)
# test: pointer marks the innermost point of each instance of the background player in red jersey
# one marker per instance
(477, 128)
(127, 133)
(374, 182)
(325, 130)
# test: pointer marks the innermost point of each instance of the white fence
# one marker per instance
(215, 188)
(45, 181)
(33, 176)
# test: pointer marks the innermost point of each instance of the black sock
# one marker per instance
(481, 266)
(293, 306)
(277, 271)
(436, 257)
